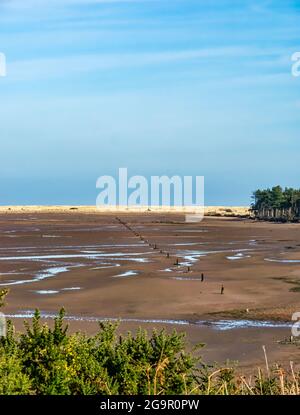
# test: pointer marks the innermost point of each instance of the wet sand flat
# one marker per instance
(145, 269)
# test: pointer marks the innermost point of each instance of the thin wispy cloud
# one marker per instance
(30, 4)
(56, 67)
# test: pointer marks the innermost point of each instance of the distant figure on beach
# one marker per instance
(222, 289)
(202, 277)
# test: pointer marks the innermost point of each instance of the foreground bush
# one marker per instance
(47, 360)
(12, 380)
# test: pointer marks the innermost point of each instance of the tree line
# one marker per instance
(277, 203)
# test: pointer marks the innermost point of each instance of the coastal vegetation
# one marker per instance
(277, 204)
(50, 361)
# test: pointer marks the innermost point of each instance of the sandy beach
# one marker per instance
(146, 268)
(228, 211)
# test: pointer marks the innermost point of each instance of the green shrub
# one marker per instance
(58, 363)
(12, 380)
(47, 361)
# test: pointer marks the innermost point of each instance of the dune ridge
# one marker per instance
(208, 210)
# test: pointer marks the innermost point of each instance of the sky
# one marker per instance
(162, 87)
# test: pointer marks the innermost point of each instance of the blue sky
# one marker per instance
(189, 87)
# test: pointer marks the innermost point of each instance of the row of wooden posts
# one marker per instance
(155, 247)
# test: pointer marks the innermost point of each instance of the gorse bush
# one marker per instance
(12, 380)
(48, 361)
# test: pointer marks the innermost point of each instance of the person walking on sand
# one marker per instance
(202, 277)
(222, 289)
